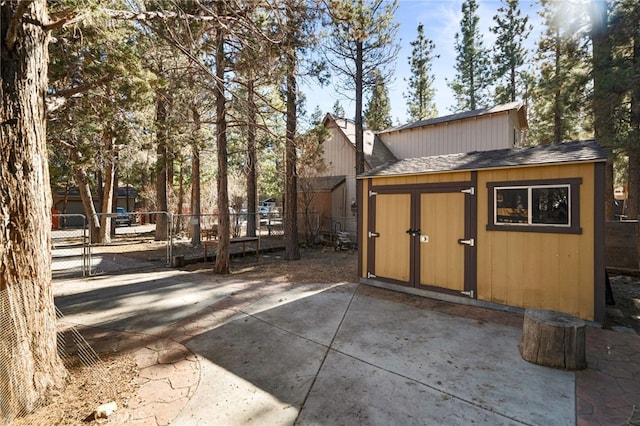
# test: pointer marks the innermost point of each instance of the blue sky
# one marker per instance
(441, 19)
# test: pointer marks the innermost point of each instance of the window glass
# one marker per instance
(537, 205)
(545, 205)
(550, 205)
(512, 205)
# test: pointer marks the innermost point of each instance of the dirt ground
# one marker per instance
(317, 265)
(75, 405)
(626, 310)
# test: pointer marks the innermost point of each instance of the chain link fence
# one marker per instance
(136, 241)
(70, 248)
(16, 402)
(151, 239)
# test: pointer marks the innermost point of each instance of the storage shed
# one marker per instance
(511, 228)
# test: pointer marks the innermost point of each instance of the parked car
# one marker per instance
(123, 218)
(264, 211)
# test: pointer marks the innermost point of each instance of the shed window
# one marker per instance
(544, 206)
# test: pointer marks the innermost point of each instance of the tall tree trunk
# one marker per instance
(558, 132)
(512, 82)
(222, 256)
(109, 172)
(30, 368)
(114, 194)
(180, 201)
(82, 180)
(358, 118)
(252, 178)
(633, 179)
(603, 123)
(196, 209)
(162, 114)
(292, 249)
(472, 87)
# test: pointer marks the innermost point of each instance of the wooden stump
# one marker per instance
(553, 339)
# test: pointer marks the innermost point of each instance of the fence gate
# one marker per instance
(133, 242)
(70, 249)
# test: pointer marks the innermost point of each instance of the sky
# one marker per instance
(441, 19)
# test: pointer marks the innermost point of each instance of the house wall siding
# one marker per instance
(474, 134)
(339, 155)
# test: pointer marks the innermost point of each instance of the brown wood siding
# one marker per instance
(538, 270)
(320, 203)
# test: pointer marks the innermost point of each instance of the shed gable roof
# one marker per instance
(568, 152)
(517, 106)
(321, 183)
(376, 152)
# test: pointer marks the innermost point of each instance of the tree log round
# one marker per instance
(553, 339)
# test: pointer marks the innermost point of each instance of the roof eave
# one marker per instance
(462, 170)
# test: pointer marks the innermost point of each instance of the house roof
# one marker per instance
(321, 183)
(376, 152)
(517, 106)
(568, 152)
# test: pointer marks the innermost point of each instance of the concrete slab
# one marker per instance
(282, 354)
(472, 361)
(310, 311)
(252, 372)
(349, 391)
(140, 302)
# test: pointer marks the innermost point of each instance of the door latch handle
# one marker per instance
(470, 242)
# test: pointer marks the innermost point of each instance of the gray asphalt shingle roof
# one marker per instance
(567, 152)
(457, 116)
(321, 183)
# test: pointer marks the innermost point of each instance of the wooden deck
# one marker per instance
(240, 240)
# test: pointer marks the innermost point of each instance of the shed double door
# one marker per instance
(420, 239)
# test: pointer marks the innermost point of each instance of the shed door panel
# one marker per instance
(392, 246)
(442, 257)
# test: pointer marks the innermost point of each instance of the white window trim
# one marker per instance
(529, 189)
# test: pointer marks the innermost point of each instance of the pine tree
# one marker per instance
(378, 112)
(471, 81)
(362, 39)
(561, 108)
(618, 90)
(510, 55)
(338, 110)
(316, 117)
(420, 97)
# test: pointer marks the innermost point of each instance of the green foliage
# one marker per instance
(622, 81)
(101, 87)
(510, 55)
(338, 110)
(472, 78)
(369, 23)
(378, 112)
(561, 99)
(420, 98)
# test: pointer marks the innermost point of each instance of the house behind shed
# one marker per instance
(510, 228)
